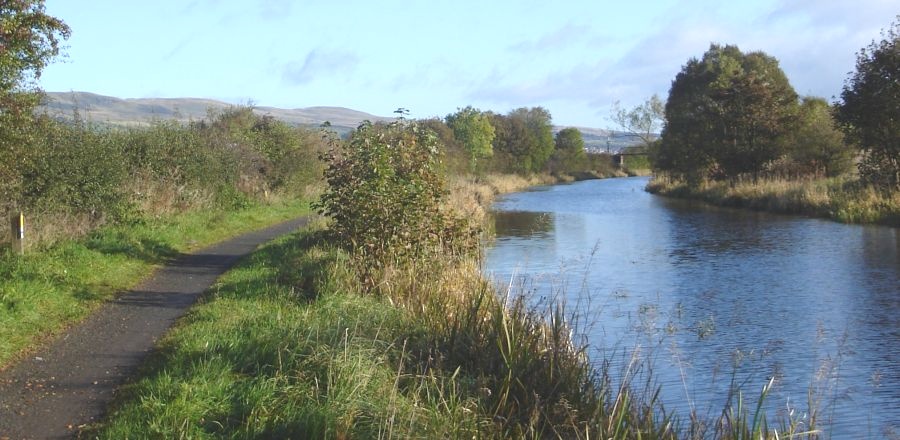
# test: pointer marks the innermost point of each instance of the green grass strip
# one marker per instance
(47, 290)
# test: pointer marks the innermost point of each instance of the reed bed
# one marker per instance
(843, 199)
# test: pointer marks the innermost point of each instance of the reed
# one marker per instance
(844, 199)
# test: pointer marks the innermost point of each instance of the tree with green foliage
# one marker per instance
(473, 129)
(817, 146)
(726, 115)
(870, 109)
(525, 138)
(29, 41)
(569, 154)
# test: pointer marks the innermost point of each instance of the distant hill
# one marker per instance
(141, 111)
(107, 109)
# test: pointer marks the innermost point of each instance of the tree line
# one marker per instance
(520, 141)
(731, 114)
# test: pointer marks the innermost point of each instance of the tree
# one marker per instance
(870, 111)
(727, 114)
(817, 146)
(525, 137)
(29, 41)
(474, 131)
(569, 153)
(644, 121)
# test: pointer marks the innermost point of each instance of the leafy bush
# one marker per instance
(74, 176)
(385, 195)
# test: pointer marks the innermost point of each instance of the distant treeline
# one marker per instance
(521, 141)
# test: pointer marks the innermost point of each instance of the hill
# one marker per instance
(117, 111)
(140, 111)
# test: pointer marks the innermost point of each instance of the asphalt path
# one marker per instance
(69, 382)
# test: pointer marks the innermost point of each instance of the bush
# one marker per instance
(385, 194)
(75, 176)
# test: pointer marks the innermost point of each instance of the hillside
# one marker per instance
(107, 109)
(140, 111)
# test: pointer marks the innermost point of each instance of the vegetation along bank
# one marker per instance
(377, 322)
(736, 134)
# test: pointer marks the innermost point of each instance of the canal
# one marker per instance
(708, 297)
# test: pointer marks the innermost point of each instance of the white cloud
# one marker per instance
(320, 63)
(559, 39)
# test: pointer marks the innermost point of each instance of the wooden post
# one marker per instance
(17, 230)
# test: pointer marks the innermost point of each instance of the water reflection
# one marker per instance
(720, 294)
(522, 224)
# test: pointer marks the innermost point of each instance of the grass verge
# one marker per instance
(286, 347)
(48, 289)
(841, 199)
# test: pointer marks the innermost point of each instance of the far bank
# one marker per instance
(842, 199)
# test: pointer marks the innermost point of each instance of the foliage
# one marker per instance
(385, 194)
(817, 146)
(870, 108)
(473, 129)
(76, 176)
(643, 121)
(727, 114)
(29, 41)
(568, 154)
(523, 140)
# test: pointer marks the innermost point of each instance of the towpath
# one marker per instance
(70, 382)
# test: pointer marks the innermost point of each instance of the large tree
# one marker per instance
(726, 114)
(473, 129)
(870, 111)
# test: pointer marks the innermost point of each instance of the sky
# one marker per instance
(574, 58)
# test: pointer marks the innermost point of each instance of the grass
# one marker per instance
(277, 351)
(842, 199)
(290, 345)
(286, 347)
(52, 287)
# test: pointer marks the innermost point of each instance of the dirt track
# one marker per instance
(69, 382)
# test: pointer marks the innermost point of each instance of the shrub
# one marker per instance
(385, 194)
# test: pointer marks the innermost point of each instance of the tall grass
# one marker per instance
(843, 199)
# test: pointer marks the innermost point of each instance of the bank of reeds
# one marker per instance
(843, 199)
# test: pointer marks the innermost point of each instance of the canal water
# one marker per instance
(709, 297)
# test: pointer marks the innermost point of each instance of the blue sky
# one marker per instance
(574, 58)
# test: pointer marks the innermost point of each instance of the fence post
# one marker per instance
(17, 230)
